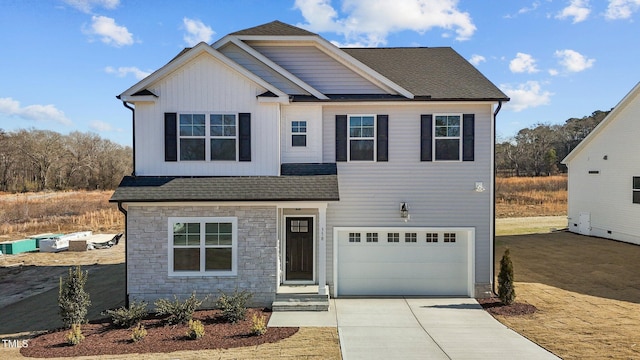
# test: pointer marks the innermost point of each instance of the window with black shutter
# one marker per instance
(636, 190)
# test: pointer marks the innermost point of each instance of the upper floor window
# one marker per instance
(362, 137)
(447, 137)
(220, 131)
(636, 189)
(299, 133)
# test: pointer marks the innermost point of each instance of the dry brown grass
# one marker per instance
(59, 212)
(531, 196)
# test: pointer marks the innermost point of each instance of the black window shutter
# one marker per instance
(468, 142)
(383, 138)
(170, 137)
(426, 125)
(341, 137)
(244, 141)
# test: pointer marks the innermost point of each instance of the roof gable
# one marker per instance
(274, 28)
(633, 95)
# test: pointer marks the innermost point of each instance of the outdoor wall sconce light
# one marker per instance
(479, 186)
(404, 212)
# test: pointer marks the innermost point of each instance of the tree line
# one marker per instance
(538, 150)
(37, 160)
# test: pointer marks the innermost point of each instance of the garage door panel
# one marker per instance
(402, 268)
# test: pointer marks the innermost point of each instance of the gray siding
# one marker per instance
(252, 64)
(439, 194)
(147, 247)
(318, 70)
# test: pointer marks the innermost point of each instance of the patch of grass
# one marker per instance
(531, 196)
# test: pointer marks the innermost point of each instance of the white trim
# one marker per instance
(375, 137)
(188, 56)
(284, 251)
(138, 98)
(277, 204)
(202, 272)
(436, 138)
(471, 237)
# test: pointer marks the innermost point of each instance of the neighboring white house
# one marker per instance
(604, 176)
(274, 157)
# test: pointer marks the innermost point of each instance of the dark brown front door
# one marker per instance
(299, 252)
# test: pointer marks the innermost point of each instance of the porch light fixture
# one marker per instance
(404, 212)
(479, 186)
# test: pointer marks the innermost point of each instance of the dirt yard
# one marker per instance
(587, 291)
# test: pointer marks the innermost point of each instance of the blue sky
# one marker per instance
(62, 62)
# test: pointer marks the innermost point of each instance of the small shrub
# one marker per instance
(73, 300)
(126, 318)
(234, 307)
(196, 329)
(506, 291)
(75, 337)
(258, 325)
(138, 333)
(180, 312)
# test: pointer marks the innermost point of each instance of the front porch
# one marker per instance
(300, 298)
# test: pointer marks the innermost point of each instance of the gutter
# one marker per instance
(493, 202)
(133, 127)
(126, 254)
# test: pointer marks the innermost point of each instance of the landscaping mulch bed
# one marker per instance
(495, 307)
(101, 338)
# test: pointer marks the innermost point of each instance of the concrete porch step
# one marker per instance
(300, 302)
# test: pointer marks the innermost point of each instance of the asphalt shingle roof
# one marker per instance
(438, 73)
(275, 28)
(233, 188)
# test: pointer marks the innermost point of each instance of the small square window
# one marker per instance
(299, 226)
(449, 237)
(372, 237)
(432, 237)
(393, 237)
(354, 237)
(410, 237)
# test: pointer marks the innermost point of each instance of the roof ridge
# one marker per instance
(275, 27)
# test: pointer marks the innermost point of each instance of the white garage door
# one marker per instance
(404, 261)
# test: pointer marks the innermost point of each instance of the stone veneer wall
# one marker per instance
(147, 246)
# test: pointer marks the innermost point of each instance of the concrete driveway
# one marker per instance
(416, 328)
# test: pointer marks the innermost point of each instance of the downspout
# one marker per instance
(126, 254)
(493, 202)
(133, 121)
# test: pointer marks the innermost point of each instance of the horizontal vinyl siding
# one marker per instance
(318, 70)
(252, 64)
(607, 196)
(439, 194)
(202, 86)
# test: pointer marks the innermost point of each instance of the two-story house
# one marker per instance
(273, 157)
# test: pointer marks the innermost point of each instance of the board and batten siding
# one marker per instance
(318, 69)
(254, 65)
(439, 194)
(312, 153)
(206, 85)
(607, 196)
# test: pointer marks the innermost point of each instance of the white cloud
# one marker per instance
(88, 5)
(100, 126)
(477, 59)
(11, 107)
(123, 71)
(553, 72)
(527, 95)
(621, 9)
(578, 10)
(369, 22)
(110, 32)
(197, 31)
(523, 63)
(573, 61)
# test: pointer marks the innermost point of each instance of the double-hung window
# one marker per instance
(447, 137)
(223, 136)
(202, 246)
(636, 189)
(299, 133)
(215, 136)
(192, 136)
(362, 137)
